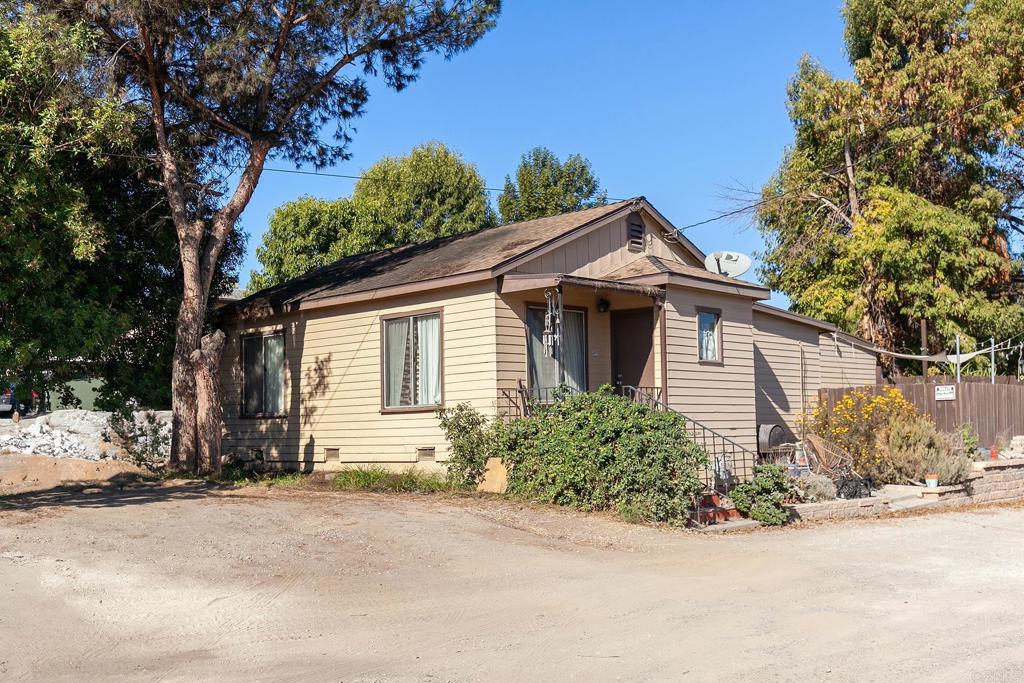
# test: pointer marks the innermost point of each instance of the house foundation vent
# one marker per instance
(425, 454)
(332, 455)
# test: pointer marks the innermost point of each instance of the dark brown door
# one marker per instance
(633, 347)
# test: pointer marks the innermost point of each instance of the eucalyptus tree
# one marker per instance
(231, 85)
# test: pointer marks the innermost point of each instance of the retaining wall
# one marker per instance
(996, 481)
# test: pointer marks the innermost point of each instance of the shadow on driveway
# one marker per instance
(119, 491)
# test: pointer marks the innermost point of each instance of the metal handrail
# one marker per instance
(726, 455)
(729, 461)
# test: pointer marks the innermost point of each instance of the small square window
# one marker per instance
(709, 335)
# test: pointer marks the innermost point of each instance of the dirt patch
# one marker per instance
(25, 473)
(185, 581)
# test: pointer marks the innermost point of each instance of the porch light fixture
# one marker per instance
(603, 305)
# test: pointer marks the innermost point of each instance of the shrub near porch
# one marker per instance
(593, 451)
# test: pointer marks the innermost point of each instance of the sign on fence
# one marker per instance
(996, 411)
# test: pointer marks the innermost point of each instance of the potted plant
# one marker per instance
(931, 480)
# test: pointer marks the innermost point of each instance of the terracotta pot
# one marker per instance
(995, 453)
(931, 480)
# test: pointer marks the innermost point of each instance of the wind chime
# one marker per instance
(552, 336)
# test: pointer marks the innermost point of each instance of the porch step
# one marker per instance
(712, 511)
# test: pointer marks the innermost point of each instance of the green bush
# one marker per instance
(144, 439)
(915, 447)
(600, 451)
(814, 488)
(762, 497)
(471, 438)
(381, 480)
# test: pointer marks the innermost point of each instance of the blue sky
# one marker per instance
(676, 101)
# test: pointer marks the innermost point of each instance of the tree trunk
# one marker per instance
(191, 313)
(209, 407)
(851, 179)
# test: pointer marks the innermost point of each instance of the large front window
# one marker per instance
(412, 361)
(544, 365)
(263, 374)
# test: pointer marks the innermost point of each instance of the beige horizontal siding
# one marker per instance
(511, 317)
(718, 396)
(603, 250)
(845, 365)
(333, 380)
(787, 371)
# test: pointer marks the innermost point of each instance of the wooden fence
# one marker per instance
(949, 379)
(996, 411)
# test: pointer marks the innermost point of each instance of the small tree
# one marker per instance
(229, 85)
(547, 186)
(430, 192)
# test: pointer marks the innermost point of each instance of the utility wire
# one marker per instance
(842, 166)
(722, 216)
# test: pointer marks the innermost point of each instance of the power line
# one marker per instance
(842, 167)
(722, 216)
(267, 169)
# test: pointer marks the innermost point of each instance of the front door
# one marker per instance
(633, 347)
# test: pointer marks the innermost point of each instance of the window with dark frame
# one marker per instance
(412, 361)
(263, 374)
(709, 337)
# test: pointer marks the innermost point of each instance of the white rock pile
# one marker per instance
(67, 434)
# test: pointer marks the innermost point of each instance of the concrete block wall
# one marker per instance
(996, 481)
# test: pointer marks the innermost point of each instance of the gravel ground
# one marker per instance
(184, 582)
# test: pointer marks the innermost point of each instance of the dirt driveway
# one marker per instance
(184, 582)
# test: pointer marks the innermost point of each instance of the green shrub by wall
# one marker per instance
(600, 451)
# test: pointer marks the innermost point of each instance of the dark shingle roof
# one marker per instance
(443, 257)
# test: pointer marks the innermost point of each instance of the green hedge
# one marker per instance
(600, 451)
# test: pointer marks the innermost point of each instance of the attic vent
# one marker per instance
(425, 454)
(635, 232)
(332, 455)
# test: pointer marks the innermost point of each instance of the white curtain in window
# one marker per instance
(543, 369)
(396, 337)
(273, 375)
(708, 335)
(575, 352)
(428, 360)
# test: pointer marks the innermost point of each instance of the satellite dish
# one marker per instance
(729, 263)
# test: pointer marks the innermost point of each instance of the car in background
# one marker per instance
(8, 403)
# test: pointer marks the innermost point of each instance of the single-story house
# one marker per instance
(348, 364)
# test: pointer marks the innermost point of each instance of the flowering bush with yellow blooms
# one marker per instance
(859, 423)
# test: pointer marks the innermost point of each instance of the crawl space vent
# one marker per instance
(332, 455)
(425, 454)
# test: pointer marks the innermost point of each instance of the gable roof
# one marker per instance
(457, 259)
